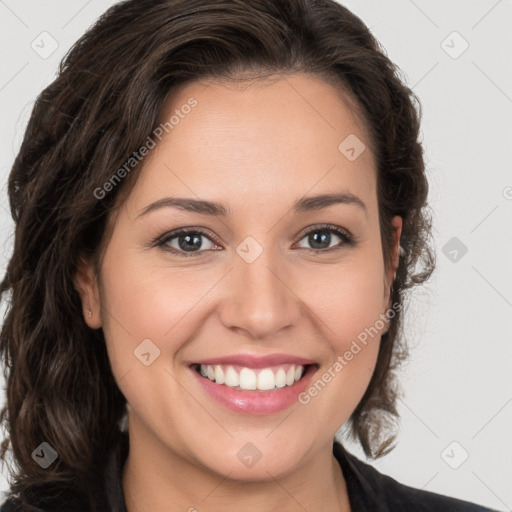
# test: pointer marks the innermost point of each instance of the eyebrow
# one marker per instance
(305, 204)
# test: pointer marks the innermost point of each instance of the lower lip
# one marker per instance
(252, 401)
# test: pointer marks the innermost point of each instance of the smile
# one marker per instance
(256, 391)
(243, 378)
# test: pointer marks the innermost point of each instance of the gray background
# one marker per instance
(457, 386)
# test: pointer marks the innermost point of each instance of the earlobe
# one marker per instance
(86, 285)
(390, 273)
(397, 224)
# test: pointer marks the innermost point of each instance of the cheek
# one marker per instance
(147, 298)
(349, 301)
(146, 301)
(350, 311)
(349, 298)
(145, 312)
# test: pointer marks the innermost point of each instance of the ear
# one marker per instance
(390, 273)
(86, 285)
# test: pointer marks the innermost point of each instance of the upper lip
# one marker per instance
(250, 361)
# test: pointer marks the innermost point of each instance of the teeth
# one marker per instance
(266, 379)
(280, 378)
(232, 378)
(263, 379)
(290, 376)
(219, 375)
(248, 379)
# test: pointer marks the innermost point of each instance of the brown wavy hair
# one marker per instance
(107, 99)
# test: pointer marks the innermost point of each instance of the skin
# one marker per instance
(257, 149)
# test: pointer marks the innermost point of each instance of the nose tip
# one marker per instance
(259, 302)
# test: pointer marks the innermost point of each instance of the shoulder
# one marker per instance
(6, 506)
(12, 504)
(66, 497)
(367, 488)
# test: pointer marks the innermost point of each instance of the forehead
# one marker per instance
(260, 141)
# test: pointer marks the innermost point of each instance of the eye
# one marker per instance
(185, 241)
(320, 238)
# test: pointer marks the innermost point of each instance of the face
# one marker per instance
(273, 280)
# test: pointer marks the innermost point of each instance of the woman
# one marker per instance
(219, 208)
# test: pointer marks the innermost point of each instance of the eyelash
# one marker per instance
(346, 238)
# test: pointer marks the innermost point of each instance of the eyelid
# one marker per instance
(176, 232)
(325, 227)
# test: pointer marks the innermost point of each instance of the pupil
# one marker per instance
(191, 242)
(315, 238)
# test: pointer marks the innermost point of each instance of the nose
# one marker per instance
(260, 301)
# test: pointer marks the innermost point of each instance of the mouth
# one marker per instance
(242, 378)
(246, 384)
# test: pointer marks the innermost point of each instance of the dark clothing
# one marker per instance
(368, 490)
